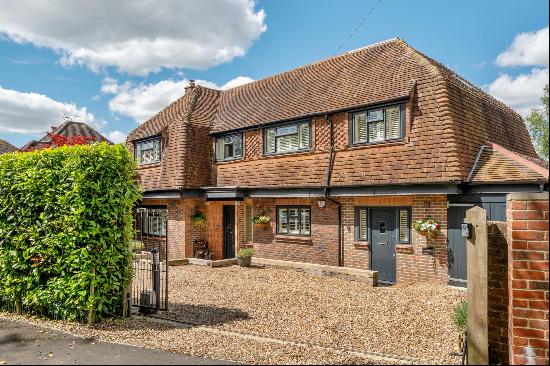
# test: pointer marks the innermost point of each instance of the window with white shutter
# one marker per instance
(248, 220)
(361, 224)
(287, 138)
(294, 220)
(378, 125)
(229, 147)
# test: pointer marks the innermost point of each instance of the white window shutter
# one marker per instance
(393, 123)
(304, 136)
(360, 127)
(270, 140)
(362, 224)
(219, 149)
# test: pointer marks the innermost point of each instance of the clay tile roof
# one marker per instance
(499, 165)
(174, 111)
(6, 147)
(68, 129)
(377, 73)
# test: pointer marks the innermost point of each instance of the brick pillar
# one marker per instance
(527, 215)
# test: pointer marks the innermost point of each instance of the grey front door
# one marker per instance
(383, 240)
(228, 232)
(456, 215)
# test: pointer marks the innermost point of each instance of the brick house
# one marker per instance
(342, 155)
(67, 129)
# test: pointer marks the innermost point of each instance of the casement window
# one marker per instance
(378, 124)
(294, 220)
(402, 227)
(148, 151)
(153, 221)
(287, 138)
(229, 147)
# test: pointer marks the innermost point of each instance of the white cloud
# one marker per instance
(142, 101)
(239, 80)
(26, 113)
(116, 137)
(527, 49)
(522, 92)
(137, 37)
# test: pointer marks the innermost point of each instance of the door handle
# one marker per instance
(383, 243)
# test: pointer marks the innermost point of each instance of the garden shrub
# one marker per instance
(65, 229)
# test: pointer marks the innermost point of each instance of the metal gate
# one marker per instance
(149, 290)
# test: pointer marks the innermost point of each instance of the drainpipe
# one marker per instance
(327, 190)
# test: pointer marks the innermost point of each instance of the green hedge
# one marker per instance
(65, 228)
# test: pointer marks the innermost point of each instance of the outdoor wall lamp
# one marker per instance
(321, 203)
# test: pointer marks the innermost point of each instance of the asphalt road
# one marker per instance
(24, 344)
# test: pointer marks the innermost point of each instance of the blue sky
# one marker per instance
(114, 66)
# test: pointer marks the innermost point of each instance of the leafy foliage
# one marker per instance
(427, 227)
(198, 219)
(246, 252)
(460, 315)
(65, 228)
(537, 123)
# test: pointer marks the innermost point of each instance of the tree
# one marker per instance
(537, 123)
(57, 140)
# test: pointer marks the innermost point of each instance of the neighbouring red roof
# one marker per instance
(497, 165)
(68, 129)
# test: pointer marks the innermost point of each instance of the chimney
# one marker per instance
(190, 86)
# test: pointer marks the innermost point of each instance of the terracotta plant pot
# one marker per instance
(244, 261)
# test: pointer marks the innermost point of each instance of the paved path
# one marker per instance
(24, 344)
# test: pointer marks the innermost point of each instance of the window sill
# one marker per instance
(361, 245)
(150, 165)
(226, 161)
(404, 249)
(286, 153)
(402, 141)
(294, 239)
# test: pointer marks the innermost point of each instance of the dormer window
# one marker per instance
(229, 147)
(287, 138)
(148, 151)
(378, 124)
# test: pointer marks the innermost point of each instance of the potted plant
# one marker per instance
(460, 318)
(262, 221)
(244, 257)
(198, 219)
(427, 227)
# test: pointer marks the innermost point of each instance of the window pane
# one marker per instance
(287, 130)
(293, 221)
(219, 149)
(393, 122)
(148, 151)
(228, 151)
(360, 127)
(376, 115)
(304, 136)
(305, 224)
(404, 225)
(376, 131)
(270, 140)
(237, 146)
(283, 217)
(287, 143)
(362, 223)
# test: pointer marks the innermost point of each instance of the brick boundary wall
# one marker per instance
(528, 216)
(497, 292)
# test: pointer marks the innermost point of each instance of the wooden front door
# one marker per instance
(228, 232)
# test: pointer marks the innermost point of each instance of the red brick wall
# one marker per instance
(322, 246)
(319, 248)
(528, 277)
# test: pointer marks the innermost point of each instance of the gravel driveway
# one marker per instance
(278, 316)
(412, 321)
